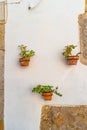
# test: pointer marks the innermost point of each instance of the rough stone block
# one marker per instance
(64, 118)
(2, 35)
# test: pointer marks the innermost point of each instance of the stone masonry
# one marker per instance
(64, 118)
(2, 32)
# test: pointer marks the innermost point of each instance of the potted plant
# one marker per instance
(67, 53)
(46, 91)
(25, 55)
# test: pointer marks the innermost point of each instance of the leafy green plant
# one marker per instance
(46, 88)
(24, 52)
(67, 51)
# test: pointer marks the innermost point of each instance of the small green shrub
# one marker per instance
(67, 51)
(24, 52)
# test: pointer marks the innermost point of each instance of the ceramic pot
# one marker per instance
(72, 60)
(47, 95)
(24, 61)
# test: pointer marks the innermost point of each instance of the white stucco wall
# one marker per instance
(46, 29)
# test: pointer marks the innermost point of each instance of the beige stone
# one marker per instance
(63, 118)
(2, 40)
(2, 32)
(82, 19)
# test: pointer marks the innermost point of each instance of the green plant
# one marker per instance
(46, 88)
(24, 52)
(67, 51)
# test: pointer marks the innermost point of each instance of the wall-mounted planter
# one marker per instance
(72, 60)
(24, 61)
(47, 95)
(67, 53)
(25, 55)
(47, 91)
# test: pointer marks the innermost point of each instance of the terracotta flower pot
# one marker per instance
(24, 61)
(72, 60)
(47, 95)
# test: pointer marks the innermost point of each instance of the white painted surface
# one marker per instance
(46, 29)
(2, 1)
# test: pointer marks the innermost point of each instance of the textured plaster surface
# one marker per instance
(64, 118)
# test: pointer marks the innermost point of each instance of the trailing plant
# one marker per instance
(45, 89)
